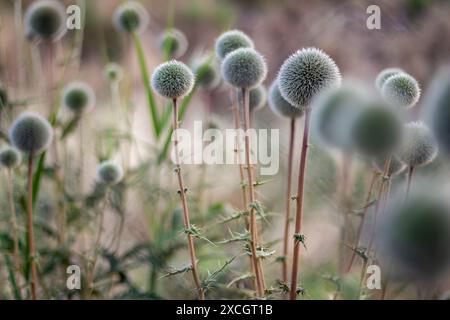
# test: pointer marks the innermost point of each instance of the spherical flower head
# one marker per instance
(3, 97)
(244, 68)
(31, 133)
(280, 106)
(131, 16)
(418, 147)
(334, 111)
(113, 72)
(401, 91)
(396, 166)
(174, 42)
(109, 173)
(78, 97)
(437, 107)
(230, 41)
(376, 130)
(257, 97)
(173, 79)
(206, 72)
(386, 74)
(417, 235)
(10, 157)
(305, 74)
(45, 20)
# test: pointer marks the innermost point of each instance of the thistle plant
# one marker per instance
(418, 148)
(281, 107)
(31, 134)
(401, 90)
(78, 97)
(173, 80)
(173, 43)
(131, 17)
(207, 73)
(301, 78)
(386, 74)
(113, 72)
(45, 20)
(245, 69)
(232, 40)
(10, 158)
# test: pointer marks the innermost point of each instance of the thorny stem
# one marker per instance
(344, 199)
(30, 230)
(299, 209)
(238, 148)
(408, 184)
(288, 202)
(13, 220)
(182, 193)
(363, 218)
(251, 190)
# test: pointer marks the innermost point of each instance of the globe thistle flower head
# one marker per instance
(401, 91)
(78, 97)
(437, 108)
(45, 20)
(131, 16)
(3, 97)
(244, 68)
(206, 72)
(396, 166)
(173, 79)
(305, 74)
(416, 234)
(418, 147)
(109, 173)
(231, 40)
(333, 113)
(376, 130)
(31, 133)
(174, 42)
(257, 97)
(386, 74)
(280, 106)
(113, 72)
(10, 157)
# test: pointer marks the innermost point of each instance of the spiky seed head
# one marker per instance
(3, 97)
(113, 72)
(31, 133)
(416, 234)
(244, 68)
(257, 97)
(396, 166)
(376, 130)
(206, 72)
(45, 20)
(437, 107)
(174, 42)
(418, 147)
(10, 157)
(305, 74)
(231, 40)
(280, 106)
(384, 75)
(131, 16)
(401, 91)
(333, 113)
(78, 97)
(109, 173)
(173, 79)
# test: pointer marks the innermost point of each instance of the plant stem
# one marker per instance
(182, 193)
(408, 184)
(13, 220)
(344, 200)
(299, 209)
(30, 230)
(363, 218)
(251, 190)
(288, 202)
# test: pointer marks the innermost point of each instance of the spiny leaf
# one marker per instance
(300, 238)
(236, 215)
(243, 277)
(196, 232)
(237, 237)
(173, 272)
